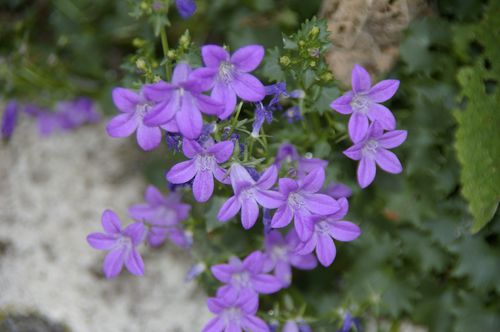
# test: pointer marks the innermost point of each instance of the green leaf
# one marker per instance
(211, 220)
(272, 68)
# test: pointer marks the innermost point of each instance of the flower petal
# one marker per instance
(182, 172)
(163, 112)
(344, 231)
(181, 73)
(215, 305)
(360, 79)
(213, 55)
(248, 87)
(135, 232)
(254, 324)
(113, 263)
(101, 241)
(282, 217)
(153, 196)
(216, 324)
(307, 247)
(265, 283)
(134, 263)
(189, 118)
(358, 126)
(325, 250)
(392, 139)
(248, 58)
(268, 178)
(191, 148)
(269, 199)
(313, 181)
(111, 222)
(125, 100)
(366, 172)
(303, 225)
(344, 208)
(229, 209)
(203, 186)
(382, 115)
(287, 185)
(343, 103)
(222, 151)
(122, 125)
(249, 213)
(354, 152)
(159, 91)
(388, 161)
(383, 90)
(205, 77)
(209, 105)
(223, 272)
(240, 177)
(148, 138)
(225, 94)
(320, 204)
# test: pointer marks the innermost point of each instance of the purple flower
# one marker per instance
(245, 277)
(301, 200)
(293, 114)
(288, 153)
(235, 314)
(262, 113)
(280, 256)
(9, 119)
(162, 214)
(373, 149)
(203, 166)
(296, 326)
(195, 271)
(47, 122)
(180, 103)
(229, 75)
(349, 322)
(363, 103)
(338, 190)
(77, 112)
(173, 141)
(134, 108)
(276, 91)
(249, 194)
(326, 228)
(186, 8)
(120, 243)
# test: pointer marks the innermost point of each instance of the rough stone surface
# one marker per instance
(52, 193)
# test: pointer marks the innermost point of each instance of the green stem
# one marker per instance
(234, 121)
(164, 44)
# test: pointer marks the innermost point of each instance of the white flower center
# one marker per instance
(205, 162)
(124, 241)
(142, 109)
(360, 104)
(232, 315)
(241, 279)
(226, 72)
(279, 253)
(296, 201)
(370, 148)
(322, 227)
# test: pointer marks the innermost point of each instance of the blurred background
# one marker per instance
(429, 256)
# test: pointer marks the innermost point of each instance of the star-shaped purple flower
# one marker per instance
(186, 8)
(163, 215)
(202, 166)
(245, 277)
(373, 149)
(180, 103)
(326, 228)
(301, 200)
(121, 243)
(235, 314)
(249, 194)
(229, 75)
(363, 103)
(134, 107)
(280, 256)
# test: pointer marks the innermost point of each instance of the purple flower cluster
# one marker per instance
(155, 221)
(370, 143)
(67, 115)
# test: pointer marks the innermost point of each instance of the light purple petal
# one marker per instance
(343, 103)
(153, 196)
(232, 326)
(268, 178)
(101, 241)
(366, 172)
(248, 58)
(254, 324)
(125, 100)
(344, 208)
(287, 186)
(388, 161)
(209, 106)
(303, 225)
(135, 232)
(181, 73)
(186, 8)
(291, 326)
(229, 209)
(344, 231)
(383, 91)
(248, 302)
(215, 305)
(375, 130)
(354, 152)
(222, 151)
(203, 186)
(159, 91)
(282, 217)
(189, 118)
(321, 204)
(239, 175)
(148, 138)
(304, 262)
(213, 55)
(225, 94)
(358, 126)
(216, 324)
(266, 284)
(171, 126)
(392, 139)
(111, 222)
(307, 247)
(269, 199)
(223, 272)
(205, 77)
(163, 112)
(222, 175)
(313, 181)
(182, 172)
(249, 213)
(382, 115)
(248, 87)
(254, 262)
(360, 79)
(338, 190)
(325, 250)
(191, 148)
(134, 263)
(122, 125)
(113, 263)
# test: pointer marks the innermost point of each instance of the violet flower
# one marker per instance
(186, 8)
(245, 277)
(229, 75)
(293, 114)
(9, 119)
(235, 314)
(249, 194)
(280, 256)
(180, 103)
(338, 190)
(194, 271)
(77, 112)
(349, 322)
(327, 228)
(134, 107)
(162, 214)
(296, 326)
(301, 200)
(262, 113)
(121, 244)
(47, 122)
(363, 103)
(276, 91)
(202, 166)
(373, 149)
(288, 153)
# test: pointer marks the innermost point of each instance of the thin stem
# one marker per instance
(234, 120)
(164, 44)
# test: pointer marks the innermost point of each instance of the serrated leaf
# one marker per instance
(272, 68)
